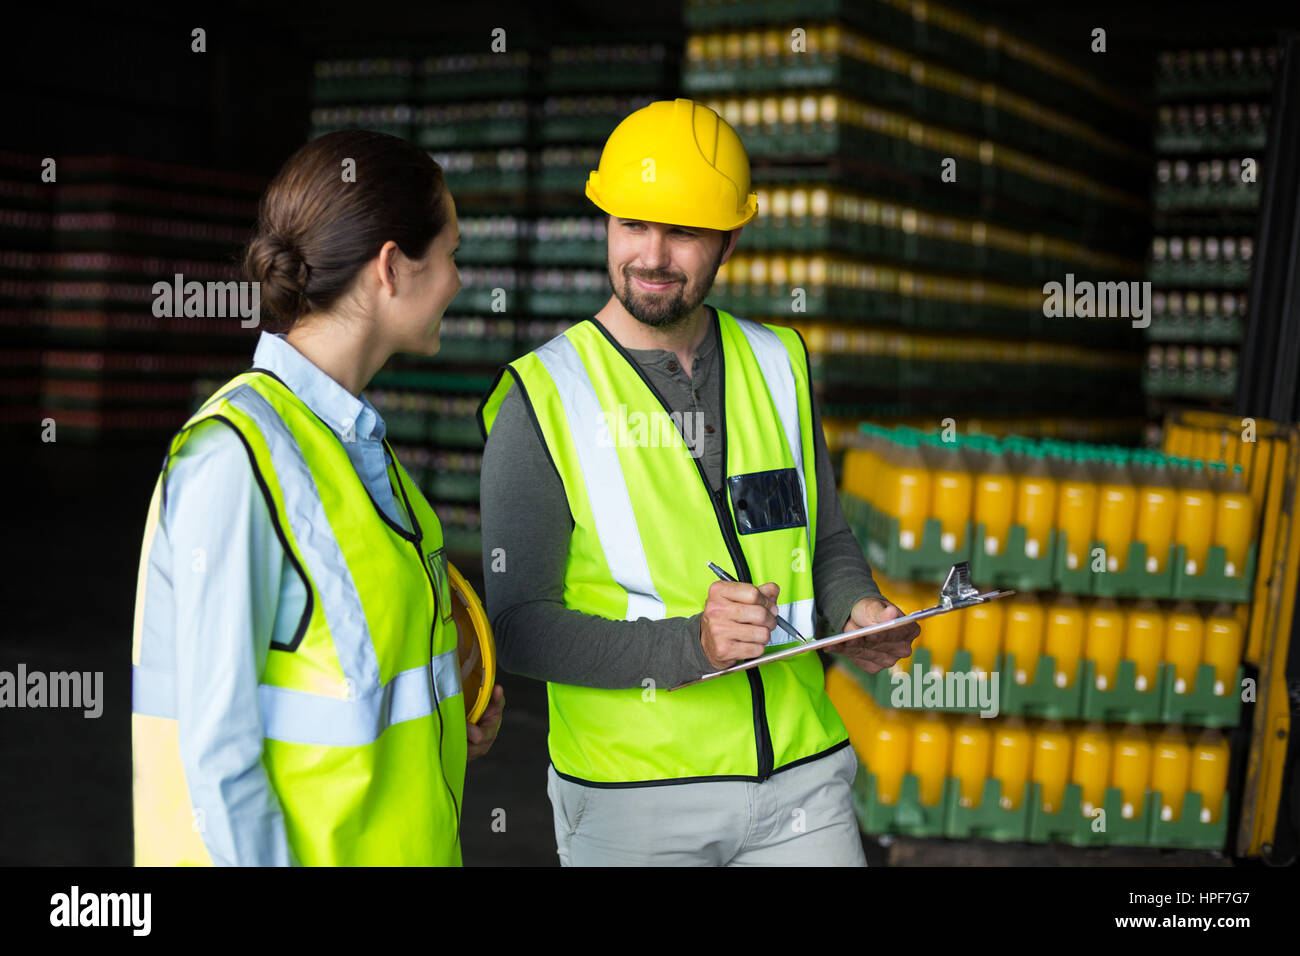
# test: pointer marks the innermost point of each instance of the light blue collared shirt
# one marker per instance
(233, 592)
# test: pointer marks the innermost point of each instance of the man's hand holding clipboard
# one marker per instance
(876, 654)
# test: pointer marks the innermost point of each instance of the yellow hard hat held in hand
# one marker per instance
(476, 650)
(678, 162)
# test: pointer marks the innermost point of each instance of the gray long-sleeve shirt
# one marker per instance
(526, 532)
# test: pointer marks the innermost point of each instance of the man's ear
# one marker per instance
(729, 244)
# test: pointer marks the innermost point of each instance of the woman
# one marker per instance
(296, 693)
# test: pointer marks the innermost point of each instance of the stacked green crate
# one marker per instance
(516, 134)
(1210, 134)
(77, 292)
(589, 90)
(471, 111)
(850, 113)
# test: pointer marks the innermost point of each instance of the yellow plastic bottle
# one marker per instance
(874, 479)
(1103, 642)
(1116, 509)
(888, 752)
(1209, 776)
(1224, 641)
(931, 742)
(1184, 645)
(1076, 508)
(1012, 753)
(1130, 768)
(855, 707)
(942, 637)
(908, 596)
(1063, 638)
(1051, 764)
(1234, 521)
(995, 493)
(1023, 635)
(1156, 510)
(859, 462)
(972, 745)
(1144, 643)
(910, 500)
(950, 491)
(1194, 523)
(1090, 766)
(982, 634)
(1036, 502)
(1171, 758)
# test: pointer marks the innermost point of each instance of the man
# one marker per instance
(622, 457)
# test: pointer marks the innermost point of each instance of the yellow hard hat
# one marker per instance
(476, 650)
(678, 162)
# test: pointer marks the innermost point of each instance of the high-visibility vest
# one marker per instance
(645, 527)
(363, 719)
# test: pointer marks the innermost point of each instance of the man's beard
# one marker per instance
(665, 309)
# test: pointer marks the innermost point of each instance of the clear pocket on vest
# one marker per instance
(767, 500)
(438, 566)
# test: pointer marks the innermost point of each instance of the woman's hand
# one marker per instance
(481, 734)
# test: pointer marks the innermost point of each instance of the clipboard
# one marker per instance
(956, 594)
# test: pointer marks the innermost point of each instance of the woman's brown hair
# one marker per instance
(316, 230)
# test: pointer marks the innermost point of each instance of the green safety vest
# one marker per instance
(364, 721)
(645, 527)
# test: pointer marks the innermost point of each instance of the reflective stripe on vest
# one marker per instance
(298, 717)
(294, 715)
(612, 506)
(320, 550)
(611, 509)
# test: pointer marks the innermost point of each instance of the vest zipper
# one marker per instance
(762, 737)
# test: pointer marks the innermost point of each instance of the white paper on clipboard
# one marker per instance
(955, 595)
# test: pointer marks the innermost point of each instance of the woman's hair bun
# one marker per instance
(278, 265)
(316, 230)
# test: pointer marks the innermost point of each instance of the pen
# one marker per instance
(780, 621)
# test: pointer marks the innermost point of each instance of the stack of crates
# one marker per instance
(1088, 709)
(516, 133)
(90, 261)
(924, 174)
(1211, 139)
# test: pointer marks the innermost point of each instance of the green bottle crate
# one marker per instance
(1135, 580)
(908, 816)
(1122, 703)
(879, 534)
(1071, 580)
(1012, 568)
(1173, 582)
(1070, 824)
(1199, 704)
(1040, 697)
(1190, 830)
(988, 819)
(1213, 584)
